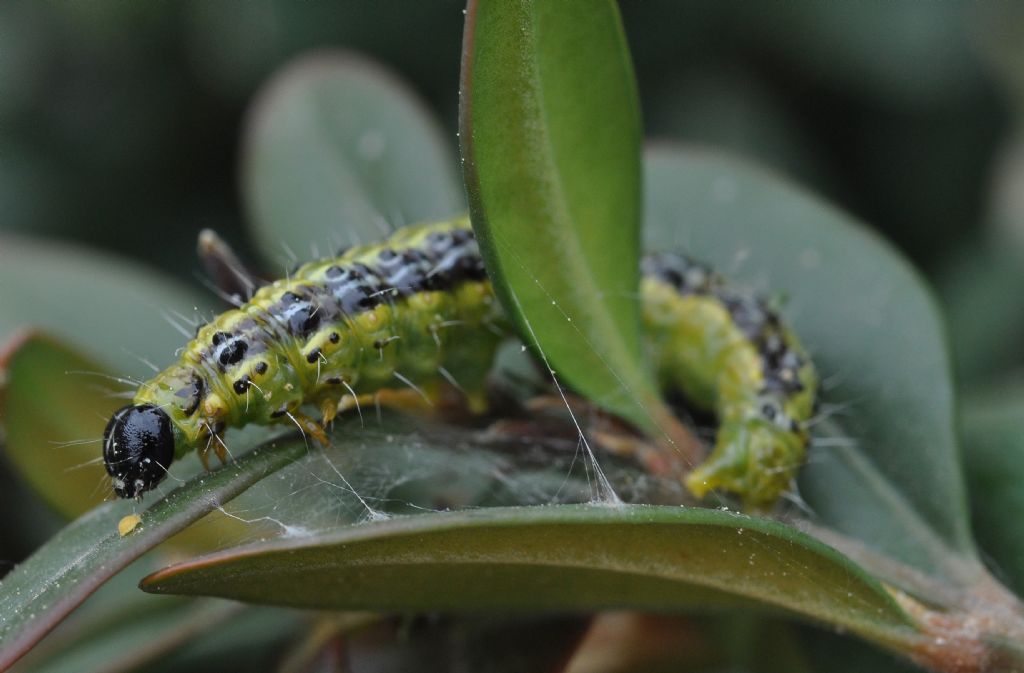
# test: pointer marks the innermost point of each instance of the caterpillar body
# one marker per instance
(418, 310)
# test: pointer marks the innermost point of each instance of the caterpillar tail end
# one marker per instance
(752, 459)
(717, 474)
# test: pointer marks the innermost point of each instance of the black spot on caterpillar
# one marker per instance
(309, 340)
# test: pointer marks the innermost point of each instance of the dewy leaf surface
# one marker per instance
(561, 558)
(337, 151)
(550, 131)
(885, 467)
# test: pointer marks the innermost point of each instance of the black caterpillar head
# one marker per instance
(138, 446)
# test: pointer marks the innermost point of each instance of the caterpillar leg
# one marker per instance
(215, 444)
(329, 410)
(309, 427)
(220, 448)
(431, 399)
(398, 399)
(204, 456)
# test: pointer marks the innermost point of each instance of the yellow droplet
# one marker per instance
(128, 524)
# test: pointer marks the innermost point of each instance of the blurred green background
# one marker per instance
(120, 123)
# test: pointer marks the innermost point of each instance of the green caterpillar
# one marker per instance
(417, 310)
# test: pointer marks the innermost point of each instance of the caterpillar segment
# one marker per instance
(377, 317)
(729, 353)
(405, 321)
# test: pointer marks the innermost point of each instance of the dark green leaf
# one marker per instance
(337, 150)
(551, 558)
(886, 468)
(550, 131)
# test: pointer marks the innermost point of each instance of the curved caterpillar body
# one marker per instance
(729, 353)
(417, 310)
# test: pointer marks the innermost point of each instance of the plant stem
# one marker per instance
(974, 627)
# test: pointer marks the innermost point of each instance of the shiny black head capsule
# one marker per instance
(138, 446)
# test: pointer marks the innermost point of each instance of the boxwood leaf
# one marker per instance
(337, 150)
(53, 420)
(561, 558)
(550, 131)
(113, 309)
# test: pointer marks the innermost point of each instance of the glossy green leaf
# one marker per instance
(337, 151)
(112, 308)
(40, 592)
(992, 427)
(550, 131)
(886, 465)
(53, 430)
(571, 557)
